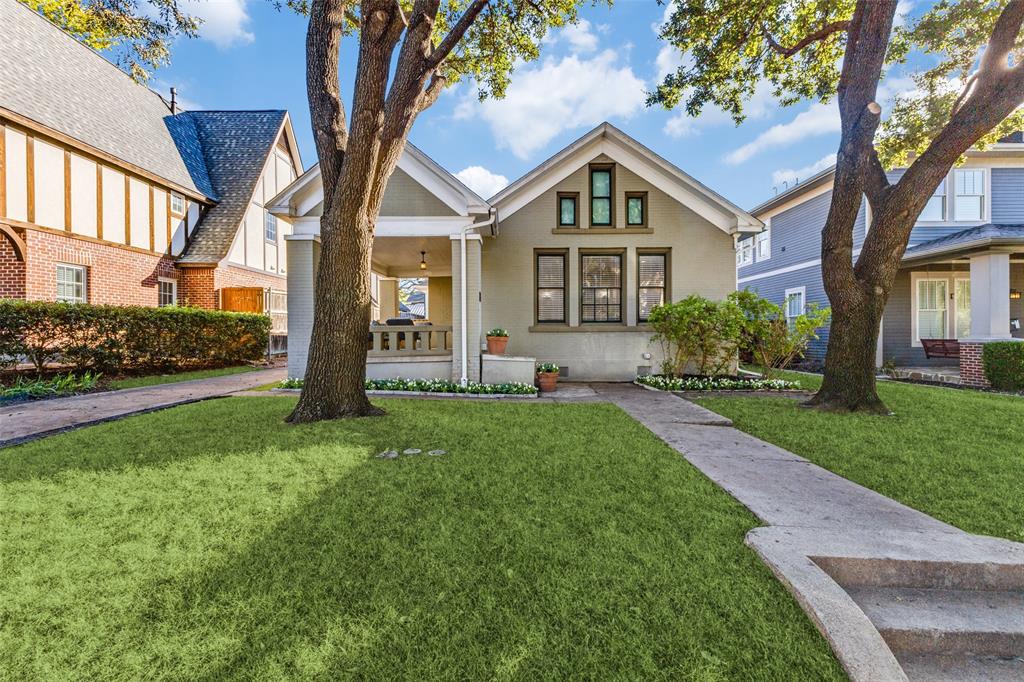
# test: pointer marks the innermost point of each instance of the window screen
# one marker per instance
(551, 287)
(931, 309)
(651, 283)
(601, 288)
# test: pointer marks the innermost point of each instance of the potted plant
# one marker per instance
(547, 376)
(497, 340)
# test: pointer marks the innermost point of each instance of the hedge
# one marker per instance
(1003, 362)
(113, 338)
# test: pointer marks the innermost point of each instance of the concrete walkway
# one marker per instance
(27, 421)
(898, 594)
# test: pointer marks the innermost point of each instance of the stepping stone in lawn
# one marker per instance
(411, 451)
(387, 454)
(437, 453)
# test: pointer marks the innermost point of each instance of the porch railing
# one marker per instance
(410, 341)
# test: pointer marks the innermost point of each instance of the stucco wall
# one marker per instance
(701, 261)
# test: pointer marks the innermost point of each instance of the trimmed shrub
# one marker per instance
(114, 338)
(1003, 362)
(719, 383)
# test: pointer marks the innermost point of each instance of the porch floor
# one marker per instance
(939, 375)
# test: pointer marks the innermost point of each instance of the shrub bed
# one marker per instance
(1003, 362)
(436, 386)
(115, 338)
(52, 387)
(715, 383)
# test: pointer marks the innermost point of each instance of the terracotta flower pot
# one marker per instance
(496, 344)
(548, 381)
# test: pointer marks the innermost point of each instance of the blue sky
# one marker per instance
(250, 56)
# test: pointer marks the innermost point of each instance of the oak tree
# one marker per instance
(409, 51)
(967, 95)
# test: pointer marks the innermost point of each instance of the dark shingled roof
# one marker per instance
(973, 237)
(235, 146)
(51, 78)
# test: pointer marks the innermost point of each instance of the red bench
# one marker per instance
(941, 348)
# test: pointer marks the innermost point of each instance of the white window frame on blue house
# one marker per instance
(745, 252)
(972, 191)
(763, 242)
(946, 194)
(787, 299)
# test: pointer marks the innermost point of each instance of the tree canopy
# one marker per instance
(139, 37)
(796, 46)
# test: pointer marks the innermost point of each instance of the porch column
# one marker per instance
(990, 296)
(990, 313)
(303, 262)
(473, 317)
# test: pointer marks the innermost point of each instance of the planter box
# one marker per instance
(503, 369)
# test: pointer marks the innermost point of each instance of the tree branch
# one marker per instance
(433, 91)
(822, 33)
(1004, 37)
(876, 182)
(455, 34)
(327, 112)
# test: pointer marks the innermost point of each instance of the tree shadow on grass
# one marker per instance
(208, 429)
(550, 552)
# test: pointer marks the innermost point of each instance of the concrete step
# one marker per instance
(945, 622)
(953, 575)
(928, 668)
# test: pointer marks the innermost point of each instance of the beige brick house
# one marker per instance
(110, 194)
(569, 259)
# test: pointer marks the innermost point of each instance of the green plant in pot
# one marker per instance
(547, 376)
(497, 341)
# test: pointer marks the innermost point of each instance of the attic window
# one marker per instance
(177, 204)
(270, 228)
(601, 196)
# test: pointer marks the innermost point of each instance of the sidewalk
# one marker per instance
(899, 595)
(27, 421)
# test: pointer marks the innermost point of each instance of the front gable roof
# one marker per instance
(306, 192)
(235, 146)
(608, 140)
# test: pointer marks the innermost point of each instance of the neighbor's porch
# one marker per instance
(953, 296)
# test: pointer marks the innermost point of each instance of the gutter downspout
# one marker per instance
(464, 380)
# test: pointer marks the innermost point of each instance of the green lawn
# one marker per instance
(155, 379)
(957, 455)
(212, 541)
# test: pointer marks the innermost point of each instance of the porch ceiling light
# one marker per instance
(423, 263)
(1014, 294)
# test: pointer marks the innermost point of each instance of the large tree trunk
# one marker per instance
(849, 383)
(336, 374)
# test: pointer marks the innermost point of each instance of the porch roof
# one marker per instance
(971, 239)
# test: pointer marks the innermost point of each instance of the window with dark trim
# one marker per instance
(568, 209)
(601, 189)
(551, 273)
(652, 282)
(601, 287)
(636, 209)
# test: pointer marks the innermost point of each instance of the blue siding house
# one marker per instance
(962, 274)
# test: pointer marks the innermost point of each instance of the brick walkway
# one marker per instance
(27, 421)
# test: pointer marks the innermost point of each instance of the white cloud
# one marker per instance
(580, 36)
(819, 119)
(225, 22)
(669, 60)
(557, 95)
(792, 175)
(903, 9)
(760, 105)
(482, 181)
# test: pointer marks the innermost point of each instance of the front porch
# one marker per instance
(964, 292)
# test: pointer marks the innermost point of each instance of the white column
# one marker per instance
(990, 296)
(303, 262)
(473, 318)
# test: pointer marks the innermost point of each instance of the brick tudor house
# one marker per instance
(109, 195)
